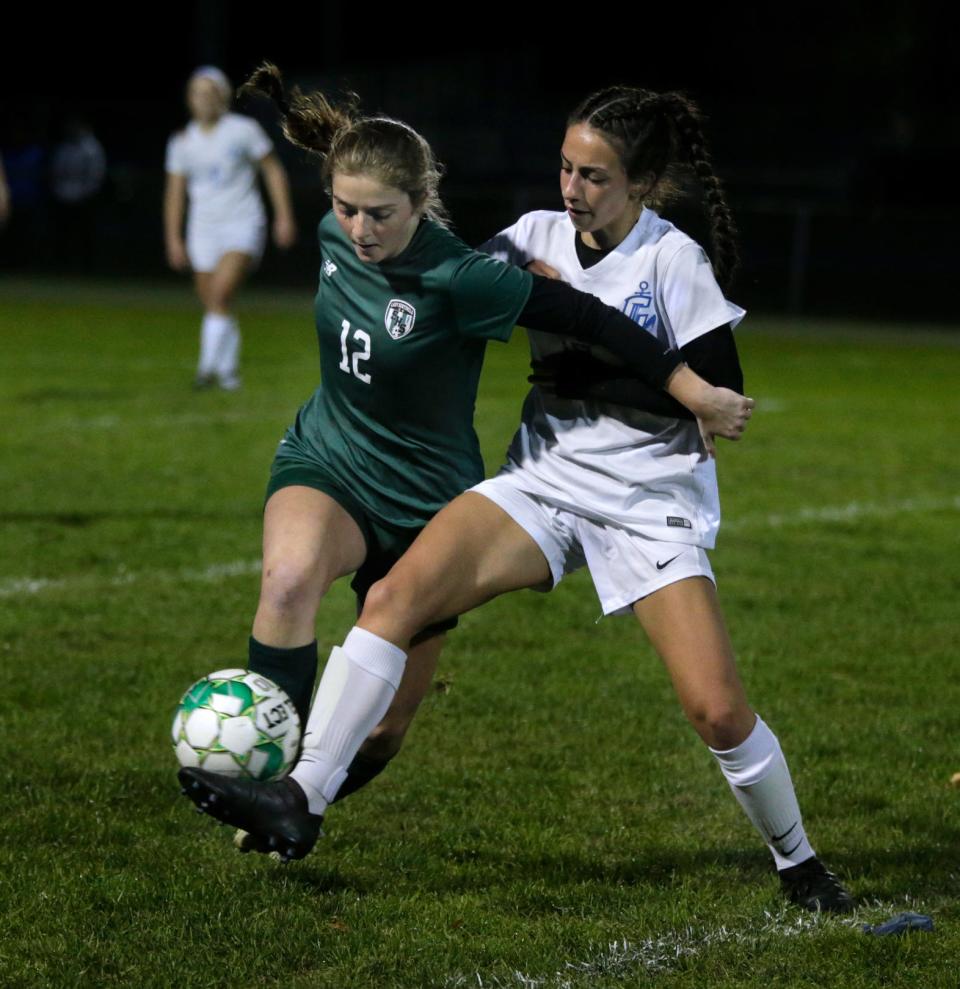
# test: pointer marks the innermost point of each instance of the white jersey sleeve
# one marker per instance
(175, 163)
(690, 300)
(258, 144)
(511, 245)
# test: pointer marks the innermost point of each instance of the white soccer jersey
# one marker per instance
(620, 466)
(221, 169)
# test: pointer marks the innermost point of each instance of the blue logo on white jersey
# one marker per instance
(637, 307)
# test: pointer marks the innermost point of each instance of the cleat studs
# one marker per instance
(183, 791)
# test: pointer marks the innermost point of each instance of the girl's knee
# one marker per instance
(385, 741)
(390, 599)
(290, 589)
(721, 725)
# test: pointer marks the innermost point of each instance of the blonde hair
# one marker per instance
(351, 144)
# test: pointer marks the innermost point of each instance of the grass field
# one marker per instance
(552, 822)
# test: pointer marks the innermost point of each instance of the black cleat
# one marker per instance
(812, 886)
(276, 814)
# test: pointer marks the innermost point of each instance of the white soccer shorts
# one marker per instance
(625, 566)
(206, 244)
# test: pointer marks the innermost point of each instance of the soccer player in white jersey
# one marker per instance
(215, 161)
(589, 479)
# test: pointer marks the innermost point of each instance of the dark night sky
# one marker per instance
(797, 90)
(842, 109)
(828, 73)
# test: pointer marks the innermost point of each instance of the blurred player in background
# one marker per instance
(78, 168)
(215, 161)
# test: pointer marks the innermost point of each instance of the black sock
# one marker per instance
(359, 773)
(293, 669)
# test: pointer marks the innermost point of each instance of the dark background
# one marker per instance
(835, 129)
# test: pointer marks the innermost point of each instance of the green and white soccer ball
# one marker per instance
(237, 723)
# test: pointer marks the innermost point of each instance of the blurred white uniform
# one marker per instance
(226, 211)
(631, 494)
(226, 214)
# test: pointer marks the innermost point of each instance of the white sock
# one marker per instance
(758, 775)
(356, 689)
(212, 331)
(227, 358)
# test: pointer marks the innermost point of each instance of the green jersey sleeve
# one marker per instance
(488, 296)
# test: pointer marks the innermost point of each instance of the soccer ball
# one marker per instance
(237, 723)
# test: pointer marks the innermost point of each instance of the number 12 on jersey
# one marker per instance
(351, 364)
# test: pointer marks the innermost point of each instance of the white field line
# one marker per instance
(771, 404)
(26, 586)
(179, 419)
(629, 960)
(850, 512)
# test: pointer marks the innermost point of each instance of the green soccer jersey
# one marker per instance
(401, 349)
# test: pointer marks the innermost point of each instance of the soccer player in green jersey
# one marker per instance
(403, 313)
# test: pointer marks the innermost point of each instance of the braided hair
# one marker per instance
(347, 142)
(655, 134)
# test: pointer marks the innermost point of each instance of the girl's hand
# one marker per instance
(722, 412)
(542, 268)
(177, 255)
(284, 232)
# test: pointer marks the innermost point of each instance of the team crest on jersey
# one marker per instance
(399, 318)
(329, 267)
(637, 307)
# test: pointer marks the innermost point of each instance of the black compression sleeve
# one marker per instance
(635, 394)
(555, 307)
(713, 356)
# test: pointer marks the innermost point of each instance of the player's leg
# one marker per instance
(228, 275)
(204, 250)
(685, 625)
(210, 331)
(309, 540)
(384, 742)
(471, 551)
(375, 754)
